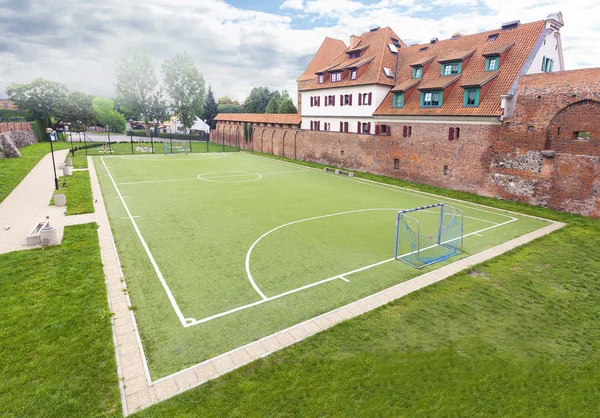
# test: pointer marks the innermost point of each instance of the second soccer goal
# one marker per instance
(428, 234)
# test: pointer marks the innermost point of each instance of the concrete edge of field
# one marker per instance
(138, 391)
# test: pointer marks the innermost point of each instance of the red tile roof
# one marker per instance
(439, 83)
(287, 119)
(497, 49)
(456, 56)
(480, 79)
(421, 62)
(407, 84)
(377, 50)
(523, 37)
(328, 51)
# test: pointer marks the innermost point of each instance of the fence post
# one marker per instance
(109, 147)
(84, 142)
(151, 142)
(171, 142)
(131, 143)
(190, 145)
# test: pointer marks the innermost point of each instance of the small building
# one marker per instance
(7, 105)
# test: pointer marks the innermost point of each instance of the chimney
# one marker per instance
(354, 40)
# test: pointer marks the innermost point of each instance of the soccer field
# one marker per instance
(222, 249)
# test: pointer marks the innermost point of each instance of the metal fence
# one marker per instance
(115, 144)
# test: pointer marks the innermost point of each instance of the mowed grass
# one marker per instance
(56, 351)
(200, 233)
(78, 192)
(13, 170)
(517, 336)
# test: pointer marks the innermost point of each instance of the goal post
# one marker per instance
(428, 234)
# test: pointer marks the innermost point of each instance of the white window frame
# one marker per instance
(336, 77)
(321, 78)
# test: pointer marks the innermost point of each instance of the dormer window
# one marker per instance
(355, 54)
(396, 42)
(417, 72)
(321, 78)
(452, 68)
(335, 77)
(471, 97)
(491, 63)
(353, 74)
(431, 98)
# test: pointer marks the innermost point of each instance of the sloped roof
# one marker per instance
(439, 82)
(376, 49)
(452, 56)
(407, 85)
(288, 119)
(480, 79)
(497, 49)
(523, 37)
(422, 61)
(327, 52)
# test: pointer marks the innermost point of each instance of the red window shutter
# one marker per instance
(358, 129)
(350, 100)
(326, 100)
(341, 126)
(451, 134)
(341, 100)
(389, 130)
(333, 98)
(345, 126)
(360, 99)
(311, 101)
(369, 127)
(377, 129)
(311, 123)
(370, 98)
(404, 131)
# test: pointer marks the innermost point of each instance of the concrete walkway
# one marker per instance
(28, 204)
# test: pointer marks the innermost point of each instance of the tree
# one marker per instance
(185, 87)
(211, 109)
(44, 99)
(287, 106)
(257, 100)
(106, 115)
(273, 106)
(230, 108)
(226, 100)
(77, 110)
(138, 91)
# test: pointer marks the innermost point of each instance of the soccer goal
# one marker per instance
(429, 234)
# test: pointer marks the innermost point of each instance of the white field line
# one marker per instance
(139, 234)
(401, 189)
(338, 277)
(344, 279)
(210, 178)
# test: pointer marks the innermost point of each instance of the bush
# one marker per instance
(13, 115)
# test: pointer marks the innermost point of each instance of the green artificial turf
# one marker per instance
(56, 351)
(199, 233)
(517, 336)
(13, 170)
(78, 191)
(144, 147)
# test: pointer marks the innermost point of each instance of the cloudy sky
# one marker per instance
(239, 44)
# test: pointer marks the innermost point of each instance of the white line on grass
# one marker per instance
(210, 178)
(390, 187)
(156, 181)
(338, 277)
(182, 319)
(344, 279)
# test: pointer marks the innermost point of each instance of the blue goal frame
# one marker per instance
(410, 240)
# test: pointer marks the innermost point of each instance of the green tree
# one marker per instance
(185, 87)
(230, 108)
(107, 115)
(43, 99)
(226, 100)
(77, 110)
(211, 109)
(257, 100)
(287, 106)
(273, 106)
(138, 91)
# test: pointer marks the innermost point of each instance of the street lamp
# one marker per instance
(49, 131)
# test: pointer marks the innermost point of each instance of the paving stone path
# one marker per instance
(28, 204)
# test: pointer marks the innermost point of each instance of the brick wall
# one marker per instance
(14, 126)
(527, 158)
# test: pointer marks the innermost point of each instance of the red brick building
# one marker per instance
(490, 113)
(7, 104)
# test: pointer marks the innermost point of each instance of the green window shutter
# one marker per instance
(491, 64)
(544, 63)
(551, 65)
(398, 100)
(473, 95)
(423, 99)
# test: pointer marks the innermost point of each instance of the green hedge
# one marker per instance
(13, 115)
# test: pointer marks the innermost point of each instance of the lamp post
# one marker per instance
(49, 131)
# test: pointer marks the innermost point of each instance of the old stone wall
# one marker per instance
(12, 141)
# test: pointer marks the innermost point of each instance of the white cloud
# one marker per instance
(237, 49)
(293, 4)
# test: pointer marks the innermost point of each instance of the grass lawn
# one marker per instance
(78, 191)
(516, 336)
(80, 160)
(57, 354)
(13, 170)
(276, 265)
